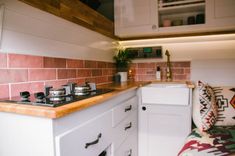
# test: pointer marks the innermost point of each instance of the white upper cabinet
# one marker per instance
(221, 13)
(167, 17)
(135, 17)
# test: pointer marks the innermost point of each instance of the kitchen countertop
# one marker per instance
(57, 112)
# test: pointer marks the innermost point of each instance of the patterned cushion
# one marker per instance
(225, 100)
(204, 107)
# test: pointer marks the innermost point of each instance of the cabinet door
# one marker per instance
(129, 146)
(89, 139)
(163, 129)
(135, 17)
(221, 13)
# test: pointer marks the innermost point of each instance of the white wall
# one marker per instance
(27, 30)
(218, 72)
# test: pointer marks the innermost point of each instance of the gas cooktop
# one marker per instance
(57, 97)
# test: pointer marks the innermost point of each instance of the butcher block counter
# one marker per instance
(57, 112)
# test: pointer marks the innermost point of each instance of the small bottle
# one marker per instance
(158, 74)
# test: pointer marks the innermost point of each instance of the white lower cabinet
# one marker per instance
(165, 122)
(129, 146)
(106, 131)
(88, 139)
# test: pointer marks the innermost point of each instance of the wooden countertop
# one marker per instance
(57, 112)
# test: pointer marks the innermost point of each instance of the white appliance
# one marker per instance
(164, 118)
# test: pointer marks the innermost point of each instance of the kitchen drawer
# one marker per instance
(121, 111)
(129, 146)
(74, 142)
(175, 94)
(124, 129)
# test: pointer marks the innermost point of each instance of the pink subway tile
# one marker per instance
(101, 64)
(83, 73)
(187, 70)
(13, 75)
(66, 73)
(71, 63)
(42, 74)
(111, 65)
(50, 62)
(90, 79)
(90, 64)
(96, 72)
(146, 65)
(3, 60)
(31, 87)
(133, 65)
(56, 83)
(180, 77)
(4, 91)
(80, 81)
(102, 79)
(181, 64)
(25, 61)
(178, 70)
(108, 71)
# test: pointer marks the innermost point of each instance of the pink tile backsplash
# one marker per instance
(4, 91)
(3, 60)
(32, 87)
(42, 74)
(66, 73)
(71, 63)
(32, 73)
(146, 71)
(50, 62)
(13, 75)
(56, 83)
(24, 61)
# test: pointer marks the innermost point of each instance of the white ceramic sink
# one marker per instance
(167, 85)
(165, 94)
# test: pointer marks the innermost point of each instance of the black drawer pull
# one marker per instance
(130, 152)
(128, 108)
(129, 126)
(93, 142)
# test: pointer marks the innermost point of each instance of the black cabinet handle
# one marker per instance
(93, 142)
(130, 152)
(128, 108)
(128, 127)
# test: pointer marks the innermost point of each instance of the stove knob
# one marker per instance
(39, 95)
(25, 94)
(47, 90)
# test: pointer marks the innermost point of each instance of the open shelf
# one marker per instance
(177, 12)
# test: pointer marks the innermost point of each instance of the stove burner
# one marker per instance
(57, 92)
(40, 96)
(57, 97)
(24, 96)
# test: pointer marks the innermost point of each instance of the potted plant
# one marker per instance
(122, 61)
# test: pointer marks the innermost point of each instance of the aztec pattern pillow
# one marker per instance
(225, 100)
(218, 141)
(204, 107)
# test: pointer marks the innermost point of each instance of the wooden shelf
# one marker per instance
(180, 3)
(182, 8)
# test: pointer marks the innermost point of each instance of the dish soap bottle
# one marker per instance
(158, 74)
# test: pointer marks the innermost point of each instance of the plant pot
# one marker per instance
(123, 76)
